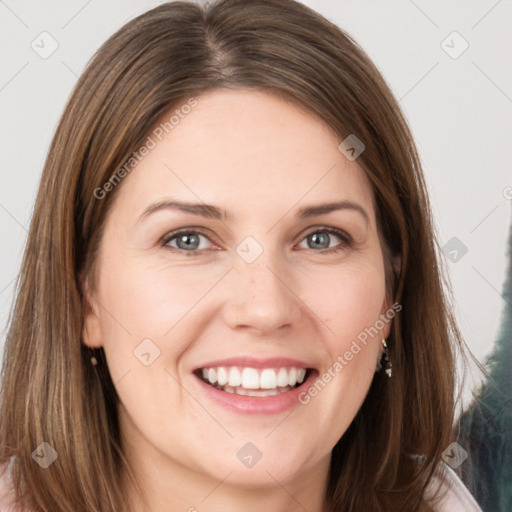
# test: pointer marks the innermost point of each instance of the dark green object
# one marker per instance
(485, 429)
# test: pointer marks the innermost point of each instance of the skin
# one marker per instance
(261, 159)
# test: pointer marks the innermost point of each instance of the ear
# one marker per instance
(396, 262)
(387, 324)
(390, 308)
(91, 333)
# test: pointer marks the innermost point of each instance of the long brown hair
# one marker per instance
(51, 393)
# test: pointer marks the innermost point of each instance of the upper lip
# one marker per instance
(252, 362)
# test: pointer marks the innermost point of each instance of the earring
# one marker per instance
(92, 357)
(384, 360)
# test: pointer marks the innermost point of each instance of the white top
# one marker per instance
(455, 496)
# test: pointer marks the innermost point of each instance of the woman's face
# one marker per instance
(257, 291)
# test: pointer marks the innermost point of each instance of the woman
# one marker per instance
(230, 297)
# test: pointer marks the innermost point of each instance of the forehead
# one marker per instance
(248, 151)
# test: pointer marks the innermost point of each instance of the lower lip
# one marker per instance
(257, 404)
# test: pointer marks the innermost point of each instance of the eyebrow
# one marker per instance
(214, 212)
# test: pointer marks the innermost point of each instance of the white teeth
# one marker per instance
(235, 377)
(250, 379)
(292, 377)
(255, 392)
(268, 379)
(282, 377)
(222, 376)
(212, 375)
(253, 379)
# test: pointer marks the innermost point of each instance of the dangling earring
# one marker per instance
(92, 357)
(384, 360)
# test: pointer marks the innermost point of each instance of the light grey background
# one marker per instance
(459, 110)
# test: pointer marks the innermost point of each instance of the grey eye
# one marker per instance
(319, 240)
(188, 241)
(322, 238)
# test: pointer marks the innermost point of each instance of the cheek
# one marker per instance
(350, 310)
(150, 302)
(348, 302)
(169, 306)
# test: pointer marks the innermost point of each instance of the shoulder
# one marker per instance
(448, 493)
(6, 491)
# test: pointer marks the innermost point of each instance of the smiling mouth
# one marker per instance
(257, 382)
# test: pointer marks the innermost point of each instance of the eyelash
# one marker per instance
(347, 241)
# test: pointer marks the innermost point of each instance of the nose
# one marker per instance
(262, 297)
